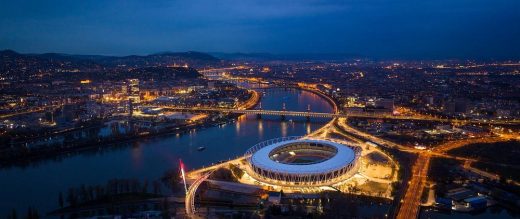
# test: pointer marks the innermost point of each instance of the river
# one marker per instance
(38, 185)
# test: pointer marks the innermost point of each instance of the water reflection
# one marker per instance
(260, 128)
(237, 126)
(150, 158)
(284, 128)
(137, 156)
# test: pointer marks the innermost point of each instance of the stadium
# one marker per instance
(297, 161)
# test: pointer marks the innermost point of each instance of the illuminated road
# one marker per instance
(443, 148)
(411, 202)
(385, 143)
(20, 113)
(252, 101)
(35, 110)
(199, 172)
(189, 202)
(200, 175)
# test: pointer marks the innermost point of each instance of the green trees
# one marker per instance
(171, 179)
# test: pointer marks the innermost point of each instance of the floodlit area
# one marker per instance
(314, 165)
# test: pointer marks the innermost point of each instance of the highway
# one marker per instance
(443, 148)
(35, 110)
(385, 143)
(411, 201)
(412, 198)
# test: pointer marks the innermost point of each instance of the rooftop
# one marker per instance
(344, 156)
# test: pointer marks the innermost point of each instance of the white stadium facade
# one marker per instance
(301, 161)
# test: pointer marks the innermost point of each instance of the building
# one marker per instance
(383, 103)
(133, 91)
(124, 89)
(275, 197)
(296, 161)
(476, 203)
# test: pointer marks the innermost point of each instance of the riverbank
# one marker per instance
(329, 99)
(38, 184)
(29, 155)
(40, 154)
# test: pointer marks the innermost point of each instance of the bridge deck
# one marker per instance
(337, 115)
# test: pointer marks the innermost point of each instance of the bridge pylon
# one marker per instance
(308, 117)
(283, 109)
(258, 115)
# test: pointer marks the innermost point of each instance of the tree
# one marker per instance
(156, 187)
(171, 179)
(145, 187)
(90, 193)
(72, 199)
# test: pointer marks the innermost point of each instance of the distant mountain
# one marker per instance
(189, 54)
(245, 56)
(164, 58)
(287, 57)
(8, 52)
(159, 74)
(23, 66)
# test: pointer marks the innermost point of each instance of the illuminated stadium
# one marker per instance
(297, 161)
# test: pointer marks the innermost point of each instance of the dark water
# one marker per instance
(39, 185)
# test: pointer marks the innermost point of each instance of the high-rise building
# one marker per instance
(133, 90)
(124, 89)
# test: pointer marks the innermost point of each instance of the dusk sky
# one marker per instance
(374, 28)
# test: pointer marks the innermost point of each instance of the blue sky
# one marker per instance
(375, 28)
